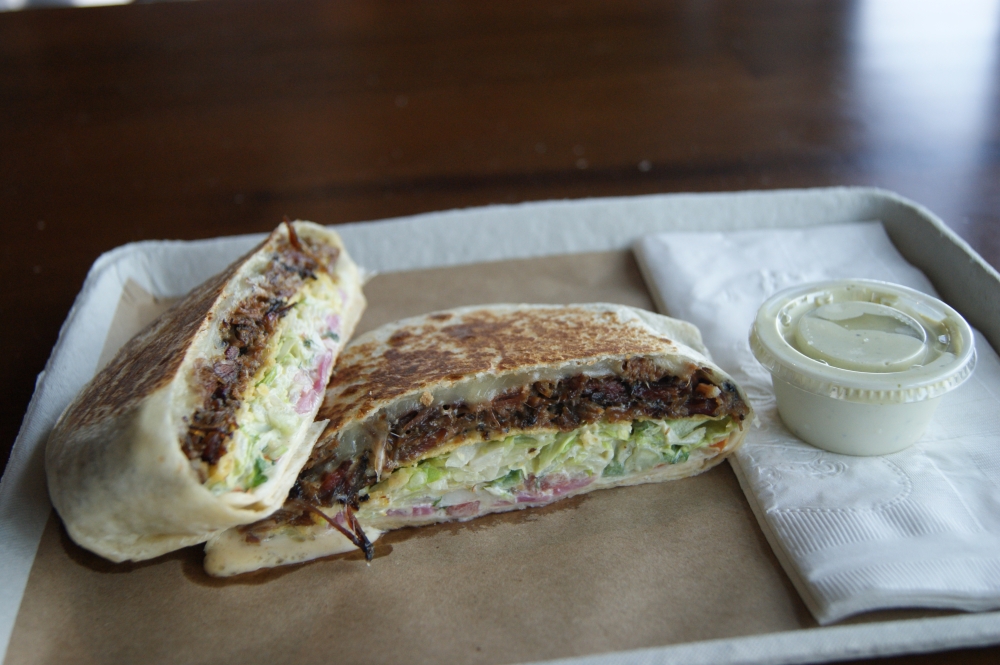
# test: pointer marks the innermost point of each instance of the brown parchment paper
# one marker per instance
(618, 569)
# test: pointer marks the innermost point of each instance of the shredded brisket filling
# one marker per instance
(643, 391)
(246, 332)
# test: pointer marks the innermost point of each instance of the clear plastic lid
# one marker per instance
(864, 341)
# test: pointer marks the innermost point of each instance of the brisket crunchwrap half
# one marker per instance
(204, 419)
(478, 410)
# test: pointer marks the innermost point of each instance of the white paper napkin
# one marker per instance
(919, 528)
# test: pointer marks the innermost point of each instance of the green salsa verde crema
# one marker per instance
(278, 399)
(515, 468)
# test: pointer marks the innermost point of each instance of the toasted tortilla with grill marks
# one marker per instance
(136, 461)
(430, 391)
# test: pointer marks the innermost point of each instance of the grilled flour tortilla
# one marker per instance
(204, 419)
(480, 410)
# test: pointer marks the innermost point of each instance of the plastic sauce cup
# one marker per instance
(859, 366)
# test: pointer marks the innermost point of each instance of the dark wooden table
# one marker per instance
(218, 117)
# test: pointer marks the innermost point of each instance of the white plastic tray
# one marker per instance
(169, 269)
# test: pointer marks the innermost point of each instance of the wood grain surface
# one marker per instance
(191, 120)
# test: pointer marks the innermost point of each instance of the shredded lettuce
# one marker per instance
(259, 473)
(499, 470)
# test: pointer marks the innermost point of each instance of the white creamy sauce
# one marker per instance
(862, 336)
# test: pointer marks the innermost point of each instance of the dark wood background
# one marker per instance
(217, 117)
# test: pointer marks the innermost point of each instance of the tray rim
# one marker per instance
(525, 230)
